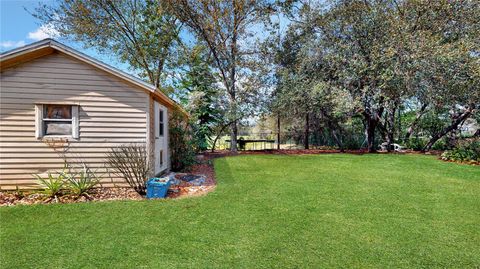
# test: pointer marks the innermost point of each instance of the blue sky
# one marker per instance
(16, 24)
(19, 28)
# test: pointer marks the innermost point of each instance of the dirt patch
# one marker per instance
(187, 189)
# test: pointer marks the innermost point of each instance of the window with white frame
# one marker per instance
(57, 120)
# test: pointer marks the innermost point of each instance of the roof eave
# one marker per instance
(50, 43)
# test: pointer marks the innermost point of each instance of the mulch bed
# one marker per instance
(10, 198)
(474, 163)
(224, 153)
(185, 189)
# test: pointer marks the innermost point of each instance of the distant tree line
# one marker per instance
(391, 70)
(379, 61)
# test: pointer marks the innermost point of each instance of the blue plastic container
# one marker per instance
(157, 187)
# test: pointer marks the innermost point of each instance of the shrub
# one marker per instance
(440, 145)
(81, 182)
(181, 142)
(467, 150)
(351, 142)
(132, 163)
(53, 184)
(416, 143)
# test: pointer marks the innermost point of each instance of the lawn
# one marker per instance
(268, 211)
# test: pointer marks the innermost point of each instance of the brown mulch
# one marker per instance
(30, 197)
(183, 190)
(9, 198)
(225, 153)
(473, 163)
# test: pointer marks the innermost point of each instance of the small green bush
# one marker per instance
(467, 150)
(440, 145)
(68, 181)
(352, 143)
(416, 143)
(80, 183)
(53, 184)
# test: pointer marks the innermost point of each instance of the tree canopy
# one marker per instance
(387, 70)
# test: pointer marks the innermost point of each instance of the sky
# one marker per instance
(18, 28)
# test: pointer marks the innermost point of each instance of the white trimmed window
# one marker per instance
(56, 120)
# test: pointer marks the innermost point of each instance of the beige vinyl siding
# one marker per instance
(111, 112)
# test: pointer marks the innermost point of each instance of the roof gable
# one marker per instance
(48, 46)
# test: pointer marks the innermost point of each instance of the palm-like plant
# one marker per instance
(52, 184)
(81, 182)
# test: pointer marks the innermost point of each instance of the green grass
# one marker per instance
(317, 211)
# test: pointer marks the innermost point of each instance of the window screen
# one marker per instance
(57, 119)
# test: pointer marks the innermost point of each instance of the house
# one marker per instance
(59, 104)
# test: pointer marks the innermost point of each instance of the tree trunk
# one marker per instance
(335, 128)
(452, 138)
(307, 131)
(449, 128)
(233, 130)
(371, 119)
(214, 143)
(233, 138)
(278, 132)
(337, 140)
(233, 91)
(412, 127)
(399, 119)
(218, 136)
(370, 134)
(477, 133)
(390, 129)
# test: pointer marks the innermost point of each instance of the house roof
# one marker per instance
(48, 46)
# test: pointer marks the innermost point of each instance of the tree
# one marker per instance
(202, 93)
(346, 39)
(139, 32)
(388, 53)
(292, 97)
(457, 90)
(221, 25)
(441, 64)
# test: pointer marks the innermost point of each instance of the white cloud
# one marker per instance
(11, 44)
(42, 32)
